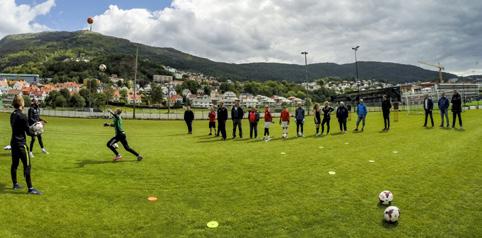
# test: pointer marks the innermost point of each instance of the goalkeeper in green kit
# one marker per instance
(120, 136)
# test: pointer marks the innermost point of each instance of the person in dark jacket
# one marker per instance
(222, 118)
(342, 115)
(317, 118)
(300, 120)
(253, 117)
(443, 106)
(188, 118)
(327, 110)
(237, 115)
(34, 117)
(386, 106)
(18, 142)
(457, 108)
(428, 107)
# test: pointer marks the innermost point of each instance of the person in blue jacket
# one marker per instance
(443, 106)
(362, 112)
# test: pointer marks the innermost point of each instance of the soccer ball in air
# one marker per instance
(385, 197)
(102, 67)
(37, 128)
(391, 214)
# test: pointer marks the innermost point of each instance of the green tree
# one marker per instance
(156, 94)
(27, 101)
(65, 92)
(60, 101)
(77, 101)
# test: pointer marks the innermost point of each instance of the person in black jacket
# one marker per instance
(222, 118)
(20, 129)
(327, 109)
(188, 118)
(342, 115)
(317, 118)
(34, 117)
(456, 108)
(428, 107)
(237, 115)
(386, 106)
(443, 106)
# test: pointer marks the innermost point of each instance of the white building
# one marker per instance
(202, 102)
(162, 78)
(229, 98)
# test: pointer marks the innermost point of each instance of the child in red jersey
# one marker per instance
(268, 119)
(212, 121)
(284, 120)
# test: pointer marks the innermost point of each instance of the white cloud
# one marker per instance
(21, 18)
(442, 31)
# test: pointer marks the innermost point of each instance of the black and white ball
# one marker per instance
(37, 128)
(102, 67)
(391, 214)
(385, 197)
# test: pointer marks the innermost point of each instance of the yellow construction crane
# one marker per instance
(438, 66)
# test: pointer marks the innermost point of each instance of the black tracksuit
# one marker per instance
(456, 109)
(34, 117)
(326, 119)
(317, 120)
(20, 129)
(120, 136)
(342, 115)
(237, 115)
(428, 107)
(386, 106)
(222, 118)
(188, 118)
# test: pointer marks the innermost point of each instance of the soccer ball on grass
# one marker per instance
(391, 214)
(385, 197)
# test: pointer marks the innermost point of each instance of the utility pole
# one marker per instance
(356, 68)
(305, 53)
(135, 83)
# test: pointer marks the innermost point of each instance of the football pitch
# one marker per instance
(251, 188)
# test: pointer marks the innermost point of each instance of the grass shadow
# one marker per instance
(459, 130)
(7, 190)
(83, 163)
(337, 134)
(389, 225)
(180, 134)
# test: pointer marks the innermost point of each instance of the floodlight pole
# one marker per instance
(356, 68)
(135, 83)
(305, 53)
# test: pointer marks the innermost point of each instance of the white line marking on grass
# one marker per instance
(395, 152)
(283, 153)
(213, 224)
(347, 143)
(371, 161)
(332, 173)
(152, 198)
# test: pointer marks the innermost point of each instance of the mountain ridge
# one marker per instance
(38, 51)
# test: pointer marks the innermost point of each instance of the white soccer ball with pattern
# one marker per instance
(37, 128)
(102, 67)
(391, 214)
(385, 197)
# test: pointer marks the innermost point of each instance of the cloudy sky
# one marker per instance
(401, 31)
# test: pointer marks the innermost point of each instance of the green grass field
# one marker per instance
(246, 185)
